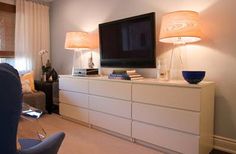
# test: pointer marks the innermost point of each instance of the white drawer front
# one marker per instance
(110, 89)
(111, 106)
(73, 98)
(170, 139)
(74, 112)
(116, 124)
(172, 118)
(73, 84)
(177, 97)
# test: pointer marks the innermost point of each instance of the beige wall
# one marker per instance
(216, 53)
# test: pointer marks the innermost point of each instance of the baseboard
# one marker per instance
(225, 144)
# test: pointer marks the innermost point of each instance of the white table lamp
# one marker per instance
(180, 27)
(79, 42)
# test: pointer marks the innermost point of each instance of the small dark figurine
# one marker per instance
(50, 72)
(54, 75)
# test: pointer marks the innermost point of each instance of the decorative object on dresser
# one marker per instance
(125, 75)
(193, 77)
(170, 116)
(86, 72)
(178, 28)
(79, 42)
(49, 72)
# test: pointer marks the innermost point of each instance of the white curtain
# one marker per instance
(31, 35)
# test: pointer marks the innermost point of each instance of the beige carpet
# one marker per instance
(83, 140)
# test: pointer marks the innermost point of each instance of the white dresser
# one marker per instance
(173, 115)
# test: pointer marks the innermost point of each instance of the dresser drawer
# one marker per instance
(167, 138)
(187, 121)
(110, 89)
(112, 123)
(73, 84)
(74, 112)
(111, 106)
(73, 98)
(177, 97)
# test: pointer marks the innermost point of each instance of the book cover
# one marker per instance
(123, 71)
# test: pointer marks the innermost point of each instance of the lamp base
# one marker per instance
(164, 76)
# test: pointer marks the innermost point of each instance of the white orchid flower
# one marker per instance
(42, 52)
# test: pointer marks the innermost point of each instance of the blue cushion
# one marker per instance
(10, 107)
(28, 143)
(49, 145)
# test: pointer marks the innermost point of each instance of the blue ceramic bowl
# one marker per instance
(193, 77)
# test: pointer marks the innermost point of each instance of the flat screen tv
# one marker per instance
(129, 42)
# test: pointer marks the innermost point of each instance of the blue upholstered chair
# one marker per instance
(10, 110)
(50, 145)
(10, 107)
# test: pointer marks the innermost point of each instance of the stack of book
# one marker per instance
(125, 75)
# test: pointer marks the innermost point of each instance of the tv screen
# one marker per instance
(128, 43)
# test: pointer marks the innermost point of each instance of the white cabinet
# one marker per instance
(113, 89)
(173, 115)
(169, 96)
(97, 102)
(111, 106)
(182, 120)
(73, 84)
(73, 98)
(167, 138)
(74, 112)
(109, 122)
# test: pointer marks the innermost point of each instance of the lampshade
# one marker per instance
(180, 27)
(93, 40)
(77, 40)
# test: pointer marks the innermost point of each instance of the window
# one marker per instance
(10, 61)
(7, 32)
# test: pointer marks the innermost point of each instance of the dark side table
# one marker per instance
(49, 89)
